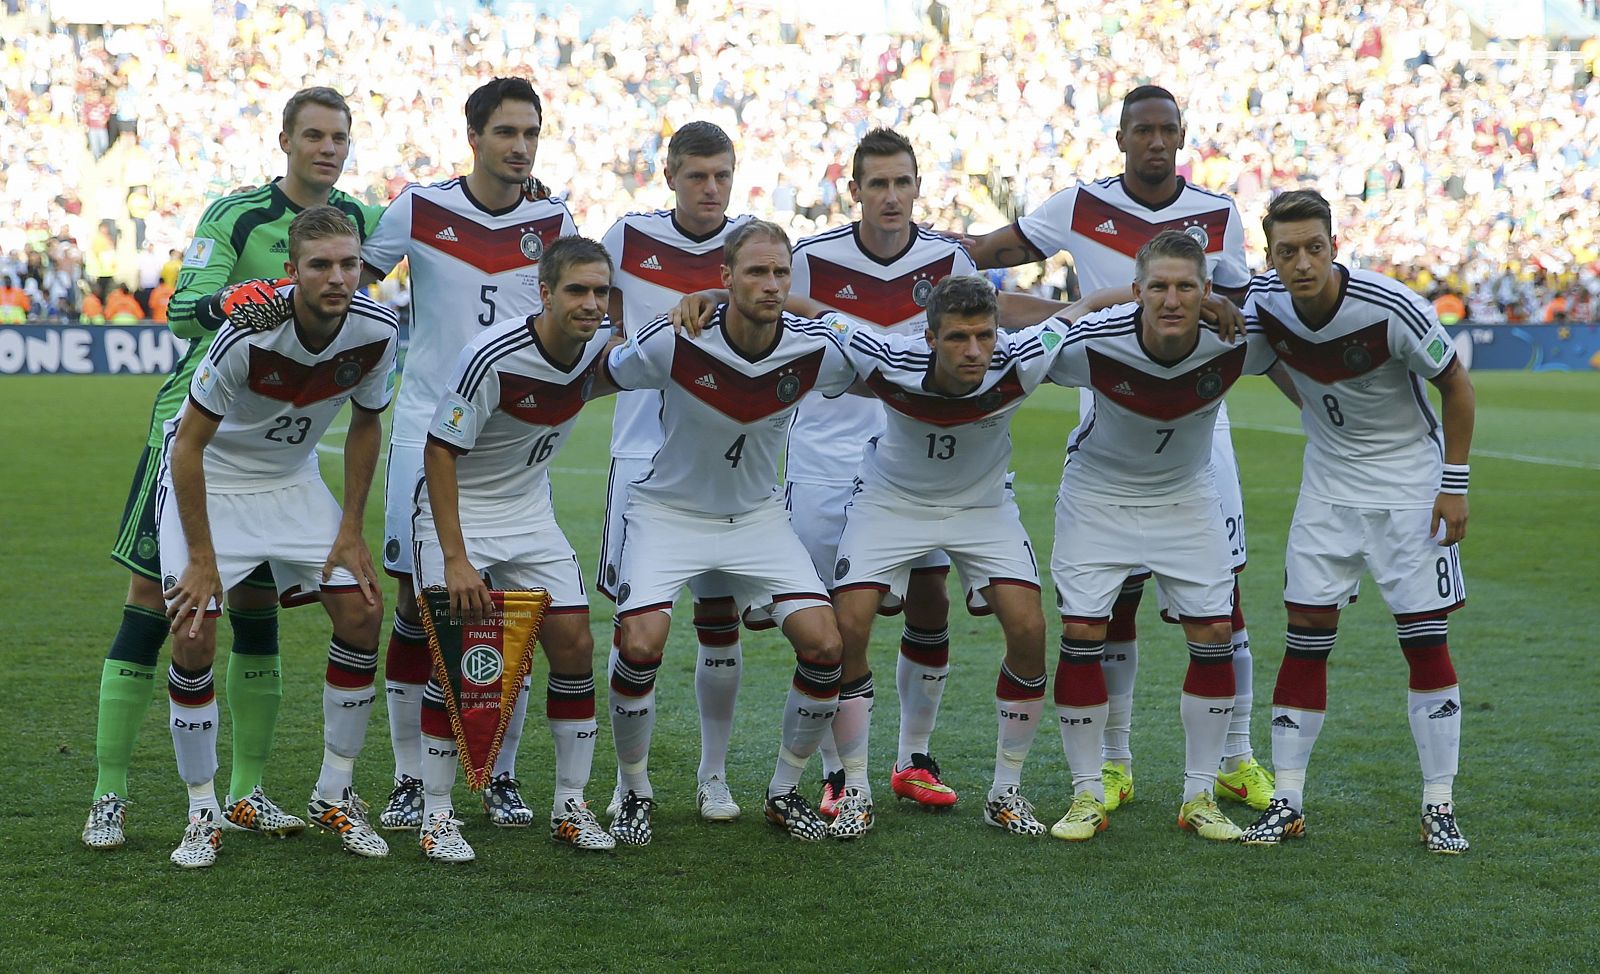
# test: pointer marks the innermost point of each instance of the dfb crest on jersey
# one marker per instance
(989, 400)
(1209, 386)
(789, 388)
(921, 291)
(532, 246)
(347, 374)
(1357, 358)
(1198, 234)
(842, 569)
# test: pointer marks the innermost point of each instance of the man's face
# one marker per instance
(1170, 297)
(886, 190)
(1302, 253)
(1149, 139)
(577, 303)
(758, 284)
(506, 147)
(962, 350)
(327, 271)
(701, 187)
(319, 145)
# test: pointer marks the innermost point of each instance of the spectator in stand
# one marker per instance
(122, 308)
(1449, 307)
(14, 303)
(160, 297)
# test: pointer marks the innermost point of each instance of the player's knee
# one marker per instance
(927, 602)
(405, 602)
(195, 652)
(1025, 636)
(1211, 633)
(570, 650)
(145, 592)
(639, 642)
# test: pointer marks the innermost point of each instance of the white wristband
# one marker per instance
(1454, 478)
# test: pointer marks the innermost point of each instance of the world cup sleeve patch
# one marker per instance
(199, 252)
(1436, 349)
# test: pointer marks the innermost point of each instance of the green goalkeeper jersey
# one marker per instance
(241, 237)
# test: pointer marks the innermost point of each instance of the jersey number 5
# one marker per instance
(486, 295)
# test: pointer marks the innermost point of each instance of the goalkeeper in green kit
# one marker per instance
(239, 248)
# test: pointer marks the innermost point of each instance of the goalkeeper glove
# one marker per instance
(254, 305)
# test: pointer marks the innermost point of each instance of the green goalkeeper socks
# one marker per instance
(255, 689)
(127, 683)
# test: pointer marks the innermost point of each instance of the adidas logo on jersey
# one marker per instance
(1446, 709)
(650, 263)
(447, 234)
(1107, 227)
(279, 247)
(1122, 389)
(846, 293)
(707, 381)
(528, 402)
(1285, 721)
(272, 379)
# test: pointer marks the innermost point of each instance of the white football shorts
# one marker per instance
(1331, 546)
(624, 471)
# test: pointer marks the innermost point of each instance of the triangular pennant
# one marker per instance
(481, 667)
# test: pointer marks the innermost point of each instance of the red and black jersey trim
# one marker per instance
(657, 262)
(743, 398)
(882, 301)
(1114, 228)
(1170, 398)
(282, 379)
(1347, 357)
(490, 250)
(945, 411)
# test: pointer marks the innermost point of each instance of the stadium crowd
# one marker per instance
(1463, 173)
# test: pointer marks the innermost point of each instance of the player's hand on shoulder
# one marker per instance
(256, 305)
(533, 190)
(1226, 315)
(691, 315)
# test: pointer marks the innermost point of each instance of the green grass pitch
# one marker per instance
(923, 891)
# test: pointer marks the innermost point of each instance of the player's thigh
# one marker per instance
(624, 471)
(662, 549)
(767, 566)
(304, 523)
(1414, 574)
(234, 541)
(1225, 472)
(880, 543)
(401, 474)
(817, 514)
(1185, 546)
(989, 546)
(138, 543)
(1324, 558)
(1092, 556)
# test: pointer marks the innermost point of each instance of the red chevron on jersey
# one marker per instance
(943, 410)
(281, 378)
(1155, 397)
(667, 266)
(540, 403)
(742, 398)
(490, 251)
(1102, 222)
(868, 298)
(1352, 354)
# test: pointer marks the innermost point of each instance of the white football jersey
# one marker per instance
(1147, 441)
(1372, 439)
(948, 451)
(470, 267)
(1102, 227)
(275, 397)
(724, 415)
(891, 296)
(506, 413)
(657, 263)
